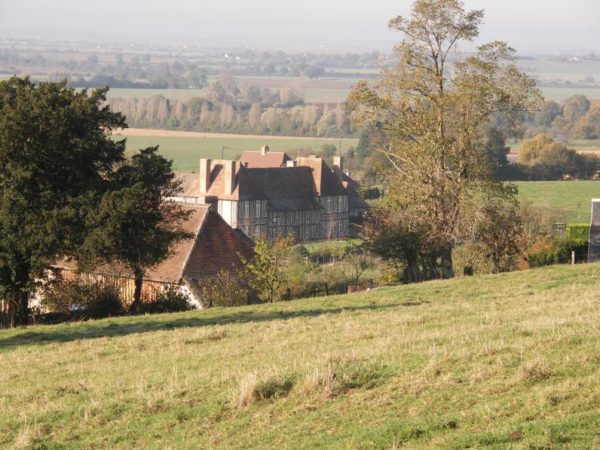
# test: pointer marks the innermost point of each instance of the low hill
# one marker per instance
(507, 361)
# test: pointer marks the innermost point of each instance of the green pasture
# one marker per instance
(572, 199)
(509, 361)
(187, 151)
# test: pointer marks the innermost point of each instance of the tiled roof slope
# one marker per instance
(199, 254)
(217, 248)
(257, 160)
(326, 181)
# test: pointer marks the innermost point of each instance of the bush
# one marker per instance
(549, 252)
(169, 300)
(226, 289)
(74, 299)
(578, 233)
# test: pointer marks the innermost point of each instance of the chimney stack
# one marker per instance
(229, 168)
(264, 150)
(338, 165)
(204, 175)
(290, 163)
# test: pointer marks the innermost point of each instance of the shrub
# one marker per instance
(578, 233)
(93, 301)
(169, 300)
(226, 289)
(547, 252)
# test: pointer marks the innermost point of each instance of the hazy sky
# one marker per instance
(529, 25)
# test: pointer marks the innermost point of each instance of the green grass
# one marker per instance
(187, 151)
(507, 361)
(571, 198)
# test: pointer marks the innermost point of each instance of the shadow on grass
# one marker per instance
(146, 324)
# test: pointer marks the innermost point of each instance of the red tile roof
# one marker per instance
(256, 160)
(203, 249)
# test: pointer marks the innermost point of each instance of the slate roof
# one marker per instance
(284, 188)
(256, 160)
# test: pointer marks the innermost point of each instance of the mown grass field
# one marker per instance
(187, 151)
(507, 361)
(571, 198)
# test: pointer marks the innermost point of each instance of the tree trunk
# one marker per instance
(447, 270)
(22, 308)
(18, 300)
(137, 293)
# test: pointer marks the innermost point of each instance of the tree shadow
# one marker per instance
(146, 324)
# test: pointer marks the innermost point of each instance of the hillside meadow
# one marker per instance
(506, 361)
(571, 199)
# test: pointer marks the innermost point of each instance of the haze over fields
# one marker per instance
(550, 26)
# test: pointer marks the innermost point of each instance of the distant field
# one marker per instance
(560, 94)
(179, 94)
(571, 198)
(329, 89)
(316, 94)
(186, 151)
(579, 145)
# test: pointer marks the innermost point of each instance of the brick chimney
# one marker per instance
(338, 165)
(229, 169)
(205, 170)
(264, 150)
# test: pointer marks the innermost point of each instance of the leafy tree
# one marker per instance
(496, 150)
(266, 270)
(433, 108)
(549, 159)
(499, 226)
(56, 159)
(575, 108)
(358, 261)
(400, 236)
(134, 224)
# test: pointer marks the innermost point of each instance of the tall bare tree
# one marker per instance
(432, 109)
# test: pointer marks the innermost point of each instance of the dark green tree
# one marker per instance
(56, 157)
(135, 223)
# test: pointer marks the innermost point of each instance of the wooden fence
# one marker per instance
(125, 286)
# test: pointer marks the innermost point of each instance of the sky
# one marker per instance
(531, 26)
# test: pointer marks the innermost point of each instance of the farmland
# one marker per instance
(571, 198)
(322, 91)
(579, 145)
(486, 362)
(185, 149)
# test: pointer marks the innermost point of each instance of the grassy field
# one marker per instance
(186, 151)
(571, 198)
(507, 361)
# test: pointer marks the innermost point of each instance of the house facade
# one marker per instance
(305, 198)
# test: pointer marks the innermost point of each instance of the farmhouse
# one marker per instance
(305, 198)
(215, 246)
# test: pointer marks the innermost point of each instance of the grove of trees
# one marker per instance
(67, 190)
(228, 106)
